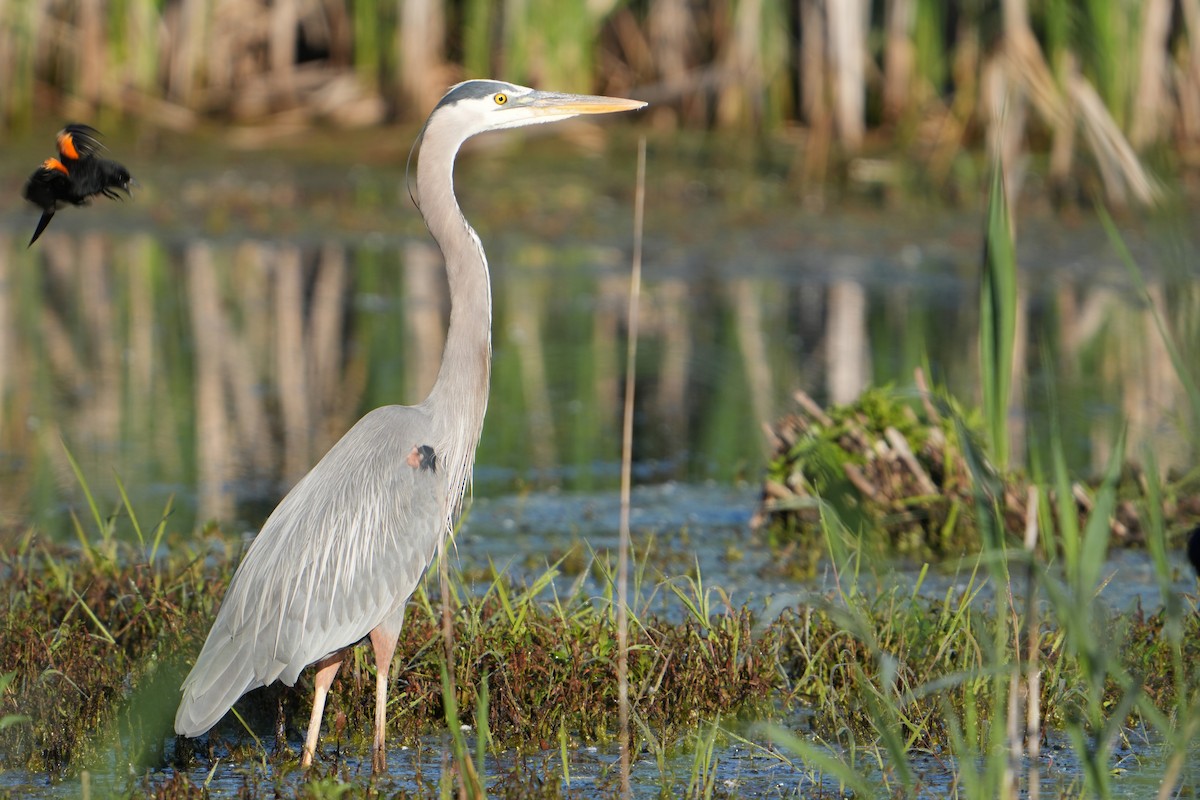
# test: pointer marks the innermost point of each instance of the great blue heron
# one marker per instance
(338, 558)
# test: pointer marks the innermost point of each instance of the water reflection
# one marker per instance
(220, 370)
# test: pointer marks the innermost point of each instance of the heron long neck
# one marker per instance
(458, 399)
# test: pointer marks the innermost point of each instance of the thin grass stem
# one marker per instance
(635, 289)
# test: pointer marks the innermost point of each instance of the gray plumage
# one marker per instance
(472, 90)
(339, 557)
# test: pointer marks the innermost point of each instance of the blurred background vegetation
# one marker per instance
(217, 334)
(1094, 80)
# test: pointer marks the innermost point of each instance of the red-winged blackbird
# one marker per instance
(75, 176)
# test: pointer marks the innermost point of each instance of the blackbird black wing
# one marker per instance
(77, 141)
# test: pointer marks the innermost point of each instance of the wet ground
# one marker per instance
(684, 525)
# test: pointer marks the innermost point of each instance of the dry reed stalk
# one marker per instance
(326, 322)
(846, 343)
(1062, 143)
(637, 56)
(187, 33)
(965, 70)
(422, 69)
(813, 94)
(671, 396)
(1123, 172)
(1187, 74)
(747, 307)
(741, 58)
(847, 25)
(213, 441)
(1152, 112)
(90, 58)
(635, 288)
(1077, 104)
(291, 363)
(899, 56)
(282, 44)
(672, 35)
(238, 356)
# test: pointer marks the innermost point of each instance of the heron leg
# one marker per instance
(326, 671)
(383, 641)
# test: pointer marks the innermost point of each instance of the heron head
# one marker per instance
(476, 106)
(487, 105)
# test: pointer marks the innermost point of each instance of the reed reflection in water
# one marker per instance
(221, 371)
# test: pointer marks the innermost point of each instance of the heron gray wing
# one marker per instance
(341, 553)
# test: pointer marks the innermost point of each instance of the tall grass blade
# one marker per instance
(85, 543)
(102, 528)
(697, 601)
(137, 528)
(997, 317)
(562, 750)
(108, 637)
(262, 749)
(161, 529)
(1097, 530)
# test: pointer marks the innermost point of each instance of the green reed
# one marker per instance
(1110, 31)
(997, 318)
(929, 44)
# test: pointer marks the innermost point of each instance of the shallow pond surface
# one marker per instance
(210, 339)
(707, 527)
(745, 764)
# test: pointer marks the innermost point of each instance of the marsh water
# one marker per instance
(204, 343)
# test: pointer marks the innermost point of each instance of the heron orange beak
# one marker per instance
(558, 103)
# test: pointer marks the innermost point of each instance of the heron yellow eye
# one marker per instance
(500, 98)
